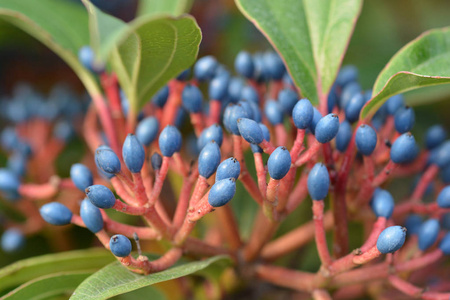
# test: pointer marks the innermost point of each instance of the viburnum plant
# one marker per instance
(295, 116)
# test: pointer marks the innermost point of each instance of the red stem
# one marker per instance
(321, 241)
(159, 181)
(384, 174)
(423, 183)
(197, 122)
(215, 107)
(306, 156)
(405, 287)
(107, 122)
(378, 227)
(280, 134)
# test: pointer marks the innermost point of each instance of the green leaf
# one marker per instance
(310, 35)
(60, 25)
(171, 7)
(154, 51)
(146, 53)
(28, 269)
(115, 279)
(49, 285)
(422, 62)
(148, 292)
(105, 30)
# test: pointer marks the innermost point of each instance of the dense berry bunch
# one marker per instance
(300, 153)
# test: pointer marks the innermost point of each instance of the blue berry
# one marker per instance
(343, 136)
(205, 68)
(231, 115)
(391, 239)
(180, 117)
(274, 112)
(17, 163)
(218, 87)
(353, 107)
(81, 176)
(287, 80)
(382, 203)
(9, 139)
(443, 199)
(346, 75)
(183, 76)
(365, 139)
(266, 134)
(327, 128)
(261, 73)
(192, 98)
(445, 221)
(120, 245)
(100, 171)
(394, 103)
(222, 192)
(445, 174)
(211, 133)
(147, 130)
(91, 216)
(229, 168)
(244, 64)
(247, 107)
(256, 111)
(107, 160)
(303, 113)
(368, 94)
(445, 244)
(404, 119)
(133, 153)
(287, 99)
(350, 90)
(404, 149)
(86, 57)
(56, 213)
(156, 161)
(333, 98)
(235, 88)
(169, 141)
(12, 240)
(274, 65)
(442, 155)
(24, 149)
(435, 136)
(318, 182)
(250, 131)
(161, 97)
(221, 70)
(316, 118)
(209, 159)
(377, 123)
(279, 163)
(100, 196)
(9, 182)
(413, 223)
(250, 94)
(63, 131)
(428, 233)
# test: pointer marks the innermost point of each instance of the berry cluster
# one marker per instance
(37, 129)
(329, 153)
